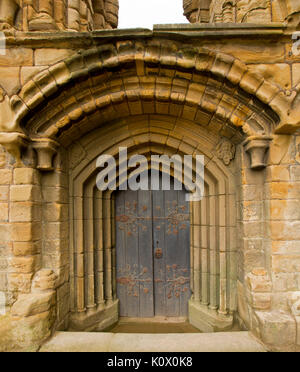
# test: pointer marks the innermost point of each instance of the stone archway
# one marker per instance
(151, 97)
(213, 222)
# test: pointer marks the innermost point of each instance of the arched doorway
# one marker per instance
(95, 298)
(153, 253)
(152, 100)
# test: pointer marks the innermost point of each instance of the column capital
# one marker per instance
(45, 148)
(257, 147)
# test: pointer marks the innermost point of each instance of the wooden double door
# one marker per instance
(153, 253)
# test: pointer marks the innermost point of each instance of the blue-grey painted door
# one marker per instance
(153, 253)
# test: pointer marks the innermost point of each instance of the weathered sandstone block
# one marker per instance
(44, 280)
(277, 328)
(33, 304)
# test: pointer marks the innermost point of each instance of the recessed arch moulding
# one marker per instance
(154, 97)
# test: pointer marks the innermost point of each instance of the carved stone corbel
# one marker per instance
(257, 148)
(14, 143)
(226, 151)
(46, 149)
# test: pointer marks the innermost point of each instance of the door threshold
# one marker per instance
(155, 319)
(156, 325)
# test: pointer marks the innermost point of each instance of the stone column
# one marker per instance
(25, 224)
(41, 18)
(99, 14)
(278, 325)
(8, 9)
(6, 244)
(228, 12)
(251, 254)
(191, 10)
(83, 11)
(111, 13)
(60, 13)
(28, 227)
(21, 243)
(269, 296)
(73, 15)
(55, 248)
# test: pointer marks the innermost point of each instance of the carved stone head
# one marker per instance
(226, 151)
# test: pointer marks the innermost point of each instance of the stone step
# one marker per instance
(122, 342)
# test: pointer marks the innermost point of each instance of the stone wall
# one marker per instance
(269, 300)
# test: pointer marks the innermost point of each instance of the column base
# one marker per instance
(95, 321)
(207, 320)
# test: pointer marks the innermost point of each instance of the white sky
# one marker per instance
(146, 13)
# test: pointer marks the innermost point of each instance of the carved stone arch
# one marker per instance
(214, 293)
(95, 62)
(194, 98)
(198, 84)
(153, 99)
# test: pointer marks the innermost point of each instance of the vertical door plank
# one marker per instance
(132, 253)
(159, 227)
(172, 254)
(146, 303)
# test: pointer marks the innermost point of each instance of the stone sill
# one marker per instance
(182, 343)
(174, 31)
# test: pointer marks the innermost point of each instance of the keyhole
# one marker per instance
(158, 251)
